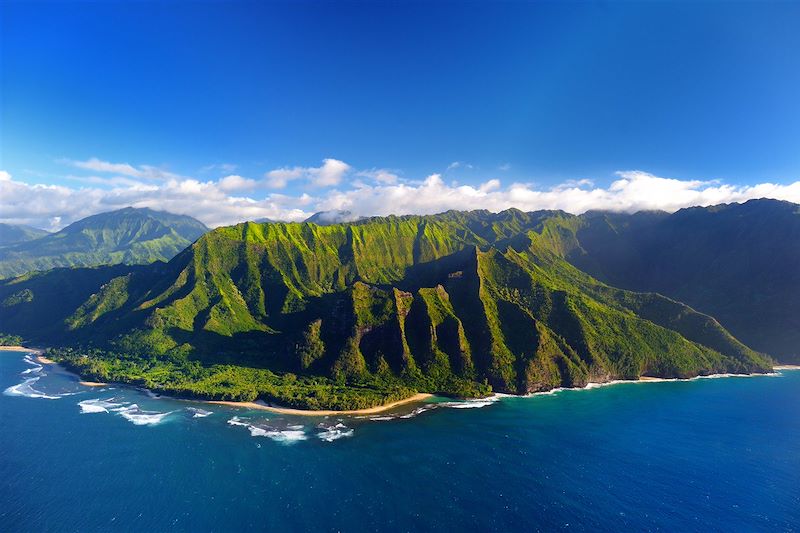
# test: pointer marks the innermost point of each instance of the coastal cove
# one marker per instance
(622, 446)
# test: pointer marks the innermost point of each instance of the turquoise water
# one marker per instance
(702, 455)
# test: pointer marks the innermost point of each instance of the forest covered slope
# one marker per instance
(354, 314)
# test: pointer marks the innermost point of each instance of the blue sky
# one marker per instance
(506, 99)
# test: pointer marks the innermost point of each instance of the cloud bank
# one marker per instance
(235, 198)
(329, 174)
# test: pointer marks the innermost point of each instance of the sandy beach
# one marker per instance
(248, 405)
(18, 349)
(307, 412)
(44, 360)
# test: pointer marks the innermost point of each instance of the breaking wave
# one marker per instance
(597, 385)
(287, 436)
(140, 417)
(36, 366)
(199, 413)
(471, 404)
(98, 406)
(335, 432)
(26, 389)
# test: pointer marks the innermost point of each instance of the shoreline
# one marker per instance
(250, 405)
(420, 396)
(647, 379)
(20, 349)
(45, 361)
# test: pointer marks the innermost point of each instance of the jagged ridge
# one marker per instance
(439, 303)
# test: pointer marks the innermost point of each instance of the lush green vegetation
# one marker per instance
(739, 263)
(10, 340)
(189, 379)
(352, 315)
(14, 233)
(130, 236)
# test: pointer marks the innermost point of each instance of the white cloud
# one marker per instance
(280, 177)
(329, 174)
(490, 185)
(381, 175)
(225, 201)
(633, 191)
(226, 168)
(53, 206)
(458, 164)
(237, 183)
(143, 171)
(106, 180)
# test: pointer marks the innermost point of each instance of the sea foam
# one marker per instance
(199, 413)
(471, 404)
(139, 417)
(26, 389)
(334, 432)
(98, 406)
(287, 436)
(36, 366)
(597, 385)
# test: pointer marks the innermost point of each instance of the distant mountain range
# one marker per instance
(130, 236)
(452, 303)
(14, 233)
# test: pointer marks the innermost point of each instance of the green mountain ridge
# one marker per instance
(352, 315)
(130, 235)
(16, 233)
(737, 262)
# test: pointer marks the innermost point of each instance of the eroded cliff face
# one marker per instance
(439, 303)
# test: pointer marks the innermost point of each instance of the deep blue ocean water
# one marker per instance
(703, 455)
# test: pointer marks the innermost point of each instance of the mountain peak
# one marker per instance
(129, 235)
(334, 216)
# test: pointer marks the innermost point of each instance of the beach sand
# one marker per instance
(18, 349)
(248, 405)
(307, 412)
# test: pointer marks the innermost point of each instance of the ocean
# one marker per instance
(701, 455)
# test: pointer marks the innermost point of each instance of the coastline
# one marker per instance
(308, 412)
(20, 349)
(45, 361)
(249, 405)
(419, 397)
